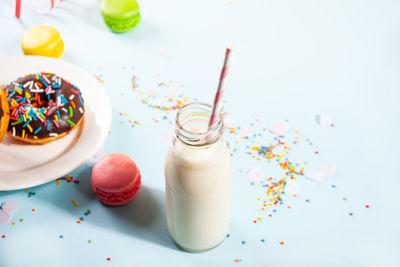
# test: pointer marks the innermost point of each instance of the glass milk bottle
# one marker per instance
(198, 174)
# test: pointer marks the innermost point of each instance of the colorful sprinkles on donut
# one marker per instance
(43, 107)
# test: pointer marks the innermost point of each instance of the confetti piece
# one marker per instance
(279, 128)
(314, 175)
(96, 157)
(323, 120)
(173, 91)
(165, 52)
(3, 236)
(255, 175)
(246, 131)
(165, 137)
(10, 206)
(4, 217)
(328, 169)
(229, 122)
(282, 243)
(367, 206)
(108, 259)
(292, 187)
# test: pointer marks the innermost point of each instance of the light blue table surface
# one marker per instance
(293, 60)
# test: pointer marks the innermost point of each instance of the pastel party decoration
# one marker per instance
(292, 187)
(314, 175)
(120, 15)
(323, 120)
(255, 175)
(7, 208)
(42, 40)
(327, 169)
(279, 128)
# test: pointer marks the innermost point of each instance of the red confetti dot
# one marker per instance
(316, 152)
(78, 222)
(3, 236)
(254, 221)
(108, 259)
(367, 206)
(269, 215)
(332, 125)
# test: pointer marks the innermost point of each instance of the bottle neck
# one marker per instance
(191, 125)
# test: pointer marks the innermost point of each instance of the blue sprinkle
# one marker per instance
(61, 236)
(243, 242)
(307, 200)
(262, 240)
(351, 214)
(228, 235)
(38, 130)
(81, 218)
(333, 186)
(27, 122)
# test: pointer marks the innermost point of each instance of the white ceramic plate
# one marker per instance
(23, 165)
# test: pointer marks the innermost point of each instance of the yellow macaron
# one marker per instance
(42, 40)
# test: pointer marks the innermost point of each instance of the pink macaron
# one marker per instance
(116, 179)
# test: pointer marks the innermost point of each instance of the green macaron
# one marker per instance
(120, 15)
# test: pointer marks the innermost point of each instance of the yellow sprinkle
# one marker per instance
(58, 182)
(259, 218)
(30, 128)
(14, 223)
(23, 133)
(56, 117)
(35, 137)
(18, 91)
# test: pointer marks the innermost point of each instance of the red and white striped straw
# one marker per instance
(221, 87)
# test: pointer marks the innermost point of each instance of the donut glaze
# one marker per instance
(43, 107)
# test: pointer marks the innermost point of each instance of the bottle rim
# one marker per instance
(211, 136)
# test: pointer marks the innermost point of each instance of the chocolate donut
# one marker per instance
(4, 114)
(43, 107)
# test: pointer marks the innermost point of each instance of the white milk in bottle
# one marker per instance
(198, 174)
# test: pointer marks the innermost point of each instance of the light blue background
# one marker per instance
(293, 59)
